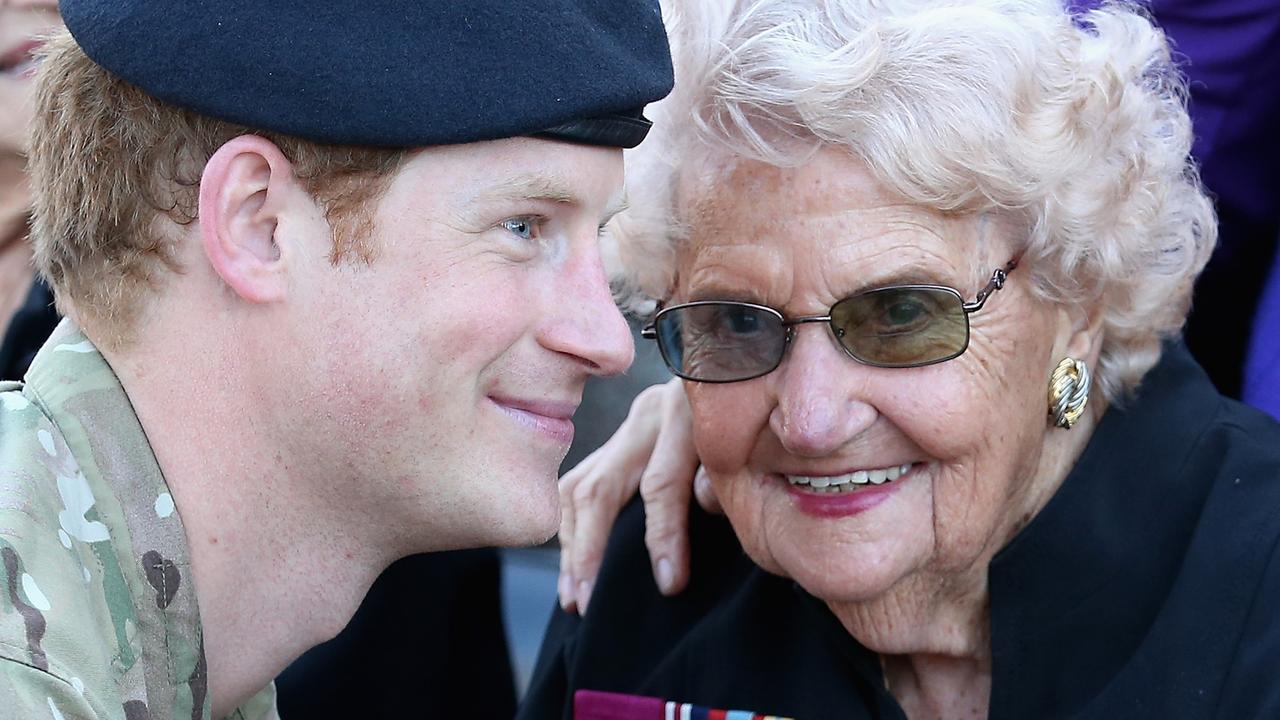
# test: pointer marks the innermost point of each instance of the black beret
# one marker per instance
(392, 73)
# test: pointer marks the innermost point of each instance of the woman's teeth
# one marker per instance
(850, 481)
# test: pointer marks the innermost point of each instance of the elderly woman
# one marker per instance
(919, 265)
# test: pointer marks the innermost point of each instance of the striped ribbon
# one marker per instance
(686, 711)
(597, 705)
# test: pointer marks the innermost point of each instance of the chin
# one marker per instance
(523, 519)
(850, 574)
(522, 534)
(846, 587)
(533, 529)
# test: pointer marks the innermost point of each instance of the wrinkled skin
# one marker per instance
(983, 456)
(906, 576)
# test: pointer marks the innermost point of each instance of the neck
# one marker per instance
(933, 630)
(275, 571)
(939, 687)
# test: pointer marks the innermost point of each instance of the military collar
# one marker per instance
(79, 392)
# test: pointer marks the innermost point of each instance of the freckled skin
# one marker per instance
(909, 575)
(454, 311)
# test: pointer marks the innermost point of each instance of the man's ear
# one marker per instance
(245, 188)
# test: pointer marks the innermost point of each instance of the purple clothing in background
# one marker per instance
(1231, 52)
(1232, 57)
(1262, 371)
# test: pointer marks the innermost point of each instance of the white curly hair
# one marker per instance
(1072, 123)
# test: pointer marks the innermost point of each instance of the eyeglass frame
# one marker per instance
(997, 282)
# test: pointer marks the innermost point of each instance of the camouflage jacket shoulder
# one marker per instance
(98, 615)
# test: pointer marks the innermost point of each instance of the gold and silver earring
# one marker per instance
(1069, 391)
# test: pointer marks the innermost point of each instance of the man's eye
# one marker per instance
(523, 227)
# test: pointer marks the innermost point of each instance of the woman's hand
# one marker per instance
(653, 450)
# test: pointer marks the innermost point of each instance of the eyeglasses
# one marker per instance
(900, 326)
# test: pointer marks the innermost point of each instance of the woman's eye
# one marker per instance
(736, 321)
(523, 227)
(904, 312)
(743, 322)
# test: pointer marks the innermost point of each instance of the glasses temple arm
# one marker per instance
(996, 282)
(650, 329)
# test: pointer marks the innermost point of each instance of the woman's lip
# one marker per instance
(549, 418)
(842, 504)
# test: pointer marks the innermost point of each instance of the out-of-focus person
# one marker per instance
(25, 315)
(922, 267)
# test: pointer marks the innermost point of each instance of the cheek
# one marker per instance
(984, 423)
(727, 422)
(454, 310)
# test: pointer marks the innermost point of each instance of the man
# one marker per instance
(449, 601)
(334, 288)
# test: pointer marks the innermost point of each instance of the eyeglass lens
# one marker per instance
(721, 342)
(903, 326)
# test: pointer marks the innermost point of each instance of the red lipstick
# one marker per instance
(842, 504)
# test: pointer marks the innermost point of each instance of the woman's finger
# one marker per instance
(666, 487)
(594, 492)
(706, 494)
(568, 526)
(596, 501)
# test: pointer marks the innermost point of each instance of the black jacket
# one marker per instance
(30, 327)
(1148, 587)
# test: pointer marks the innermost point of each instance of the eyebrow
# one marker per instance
(715, 290)
(531, 186)
(545, 187)
(906, 276)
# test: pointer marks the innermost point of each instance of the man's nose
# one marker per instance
(587, 323)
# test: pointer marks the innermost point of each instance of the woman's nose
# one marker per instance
(820, 397)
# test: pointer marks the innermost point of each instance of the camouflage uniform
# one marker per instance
(98, 615)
